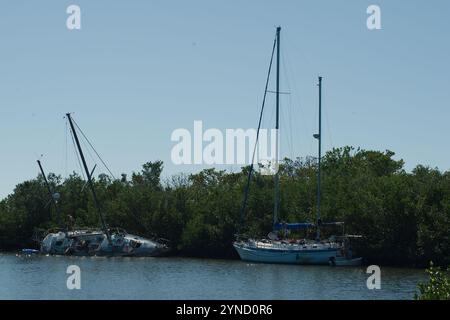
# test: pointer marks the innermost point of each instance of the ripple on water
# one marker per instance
(44, 277)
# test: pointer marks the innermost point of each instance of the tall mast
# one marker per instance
(50, 192)
(88, 174)
(249, 176)
(277, 127)
(319, 138)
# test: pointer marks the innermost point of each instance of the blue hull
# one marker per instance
(314, 257)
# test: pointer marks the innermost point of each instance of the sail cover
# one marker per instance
(293, 226)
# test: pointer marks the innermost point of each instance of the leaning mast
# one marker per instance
(88, 174)
(50, 192)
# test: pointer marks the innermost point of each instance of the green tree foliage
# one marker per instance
(438, 287)
(404, 217)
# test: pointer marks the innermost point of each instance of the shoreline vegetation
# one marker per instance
(404, 218)
(438, 285)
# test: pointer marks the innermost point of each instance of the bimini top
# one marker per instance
(293, 226)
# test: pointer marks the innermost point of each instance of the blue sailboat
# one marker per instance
(273, 249)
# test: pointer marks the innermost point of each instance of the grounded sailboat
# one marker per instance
(95, 242)
(273, 249)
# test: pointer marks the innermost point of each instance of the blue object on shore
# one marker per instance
(293, 226)
(30, 251)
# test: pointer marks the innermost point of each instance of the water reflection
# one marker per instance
(42, 277)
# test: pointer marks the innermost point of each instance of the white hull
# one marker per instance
(343, 262)
(319, 255)
(81, 243)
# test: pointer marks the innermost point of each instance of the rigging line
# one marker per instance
(328, 126)
(77, 155)
(289, 111)
(304, 124)
(247, 188)
(286, 136)
(86, 147)
(290, 140)
(290, 115)
(291, 132)
(103, 162)
(290, 105)
(66, 152)
(269, 118)
(286, 92)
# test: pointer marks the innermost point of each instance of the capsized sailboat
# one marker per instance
(275, 249)
(103, 241)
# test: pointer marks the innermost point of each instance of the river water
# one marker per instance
(45, 277)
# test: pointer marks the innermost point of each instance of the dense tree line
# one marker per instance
(404, 217)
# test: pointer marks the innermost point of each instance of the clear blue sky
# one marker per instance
(137, 70)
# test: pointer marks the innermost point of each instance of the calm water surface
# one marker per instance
(42, 277)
